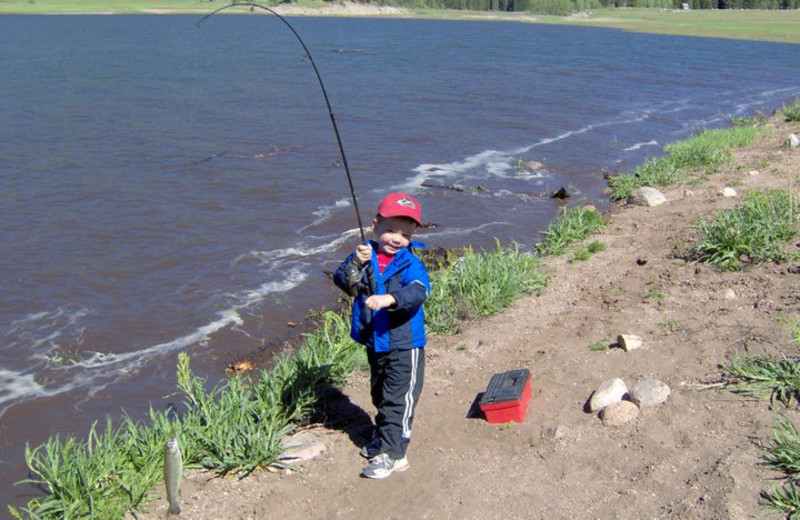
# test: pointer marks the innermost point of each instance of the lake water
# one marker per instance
(169, 188)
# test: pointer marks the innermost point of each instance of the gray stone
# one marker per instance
(301, 447)
(608, 392)
(619, 413)
(629, 342)
(728, 192)
(650, 392)
(793, 141)
(647, 196)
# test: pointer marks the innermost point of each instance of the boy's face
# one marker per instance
(393, 233)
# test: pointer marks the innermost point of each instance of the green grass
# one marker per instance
(584, 253)
(598, 346)
(783, 455)
(761, 377)
(753, 233)
(778, 26)
(481, 284)
(792, 112)
(572, 225)
(702, 154)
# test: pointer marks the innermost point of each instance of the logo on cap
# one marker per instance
(405, 202)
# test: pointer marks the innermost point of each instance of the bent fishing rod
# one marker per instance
(252, 7)
(353, 274)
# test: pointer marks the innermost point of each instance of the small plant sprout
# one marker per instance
(598, 346)
(669, 325)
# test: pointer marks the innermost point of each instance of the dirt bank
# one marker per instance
(694, 457)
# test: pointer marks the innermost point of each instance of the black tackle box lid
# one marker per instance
(506, 386)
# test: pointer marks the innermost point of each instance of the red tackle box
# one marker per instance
(507, 396)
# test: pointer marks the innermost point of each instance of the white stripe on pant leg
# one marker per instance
(410, 394)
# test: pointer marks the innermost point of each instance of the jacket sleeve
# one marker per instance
(416, 286)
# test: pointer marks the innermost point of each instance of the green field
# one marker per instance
(775, 26)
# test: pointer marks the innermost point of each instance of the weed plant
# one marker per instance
(481, 284)
(584, 253)
(753, 233)
(783, 455)
(706, 152)
(763, 377)
(792, 112)
(572, 225)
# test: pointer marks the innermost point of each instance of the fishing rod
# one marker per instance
(252, 7)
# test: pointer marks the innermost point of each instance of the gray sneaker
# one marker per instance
(371, 449)
(383, 465)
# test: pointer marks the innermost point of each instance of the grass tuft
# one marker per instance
(481, 284)
(572, 225)
(705, 153)
(753, 233)
(762, 377)
(792, 112)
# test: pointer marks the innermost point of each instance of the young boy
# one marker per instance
(389, 284)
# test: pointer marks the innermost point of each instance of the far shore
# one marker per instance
(759, 25)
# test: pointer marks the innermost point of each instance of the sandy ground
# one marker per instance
(694, 457)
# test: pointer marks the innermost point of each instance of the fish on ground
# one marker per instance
(173, 473)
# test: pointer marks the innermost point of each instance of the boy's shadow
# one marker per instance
(336, 411)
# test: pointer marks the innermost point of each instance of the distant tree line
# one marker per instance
(561, 7)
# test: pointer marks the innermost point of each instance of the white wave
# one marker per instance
(498, 163)
(324, 212)
(640, 145)
(462, 231)
(293, 278)
(326, 244)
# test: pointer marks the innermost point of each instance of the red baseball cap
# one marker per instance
(401, 205)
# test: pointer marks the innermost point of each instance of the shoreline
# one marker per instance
(778, 26)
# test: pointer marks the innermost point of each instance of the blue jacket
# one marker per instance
(401, 326)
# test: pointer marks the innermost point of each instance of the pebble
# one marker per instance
(647, 196)
(629, 342)
(619, 413)
(608, 392)
(728, 192)
(650, 392)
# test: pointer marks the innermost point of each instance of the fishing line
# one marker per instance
(252, 7)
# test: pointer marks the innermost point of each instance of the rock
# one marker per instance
(533, 165)
(629, 342)
(619, 413)
(754, 172)
(728, 192)
(650, 392)
(608, 392)
(561, 193)
(301, 447)
(647, 197)
(729, 294)
(793, 141)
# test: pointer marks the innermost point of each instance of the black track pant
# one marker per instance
(395, 385)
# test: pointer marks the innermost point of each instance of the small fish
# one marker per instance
(173, 473)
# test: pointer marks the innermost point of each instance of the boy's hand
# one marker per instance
(380, 301)
(363, 253)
